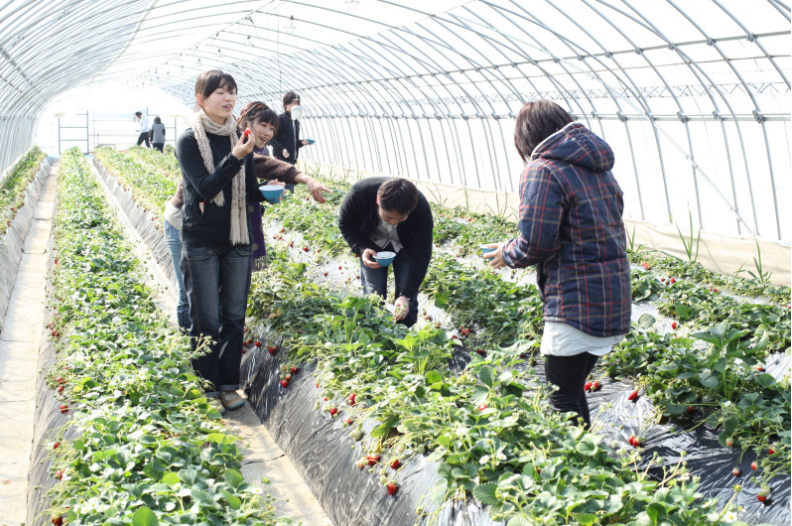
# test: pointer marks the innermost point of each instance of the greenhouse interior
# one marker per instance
(201, 203)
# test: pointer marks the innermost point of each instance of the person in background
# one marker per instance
(158, 134)
(172, 227)
(263, 123)
(571, 228)
(144, 129)
(218, 182)
(287, 143)
(384, 214)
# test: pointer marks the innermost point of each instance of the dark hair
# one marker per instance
(399, 195)
(157, 120)
(536, 122)
(289, 98)
(256, 112)
(209, 81)
(138, 114)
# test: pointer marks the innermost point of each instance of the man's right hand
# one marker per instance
(285, 153)
(368, 258)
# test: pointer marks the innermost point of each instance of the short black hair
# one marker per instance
(138, 114)
(535, 122)
(398, 194)
(289, 98)
(211, 80)
(157, 120)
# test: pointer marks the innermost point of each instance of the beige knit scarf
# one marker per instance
(201, 125)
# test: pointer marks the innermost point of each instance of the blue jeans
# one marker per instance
(217, 281)
(375, 281)
(174, 246)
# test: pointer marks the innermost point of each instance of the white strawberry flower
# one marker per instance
(484, 460)
(257, 491)
(730, 517)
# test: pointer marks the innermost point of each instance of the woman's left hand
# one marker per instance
(317, 189)
(496, 256)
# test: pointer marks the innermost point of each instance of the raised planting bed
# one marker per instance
(19, 194)
(124, 434)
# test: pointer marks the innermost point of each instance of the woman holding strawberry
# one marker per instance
(571, 228)
(218, 181)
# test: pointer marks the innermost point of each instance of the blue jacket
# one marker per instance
(571, 228)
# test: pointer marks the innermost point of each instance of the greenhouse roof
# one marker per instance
(693, 96)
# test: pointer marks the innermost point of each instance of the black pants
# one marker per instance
(569, 374)
(144, 136)
(159, 145)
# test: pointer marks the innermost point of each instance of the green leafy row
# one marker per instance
(489, 426)
(149, 187)
(12, 191)
(149, 448)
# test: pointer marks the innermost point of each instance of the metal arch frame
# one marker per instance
(370, 90)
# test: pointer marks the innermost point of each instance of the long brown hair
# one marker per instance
(536, 122)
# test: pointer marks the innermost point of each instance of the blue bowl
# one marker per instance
(485, 249)
(385, 258)
(271, 192)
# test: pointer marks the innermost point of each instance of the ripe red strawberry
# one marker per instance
(754, 465)
(284, 383)
(348, 421)
(672, 281)
(736, 472)
(715, 290)
(333, 411)
(291, 244)
(294, 369)
(373, 458)
(243, 350)
(272, 350)
(674, 325)
(60, 473)
(595, 386)
(760, 368)
(325, 398)
(480, 352)
(54, 334)
(437, 325)
(60, 380)
(317, 385)
(454, 337)
(646, 266)
(464, 331)
(690, 409)
(55, 445)
(305, 249)
(763, 494)
(587, 386)
(633, 396)
(770, 450)
(247, 134)
(339, 267)
(60, 388)
(57, 520)
(395, 464)
(482, 407)
(64, 409)
(392, 488)
(324, 274)
(633, 441)
(258, 344)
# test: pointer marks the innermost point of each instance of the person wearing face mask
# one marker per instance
(263, 123)
(287, 143)
(384, 214)
(218, 181)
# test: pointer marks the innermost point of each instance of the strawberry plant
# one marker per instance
(147, 445)
(12, 189)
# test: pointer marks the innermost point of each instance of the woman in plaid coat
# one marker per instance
(571, 228)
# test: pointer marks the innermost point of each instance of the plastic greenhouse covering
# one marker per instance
(693, 97)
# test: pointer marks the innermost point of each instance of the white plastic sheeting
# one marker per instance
(692, 96)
